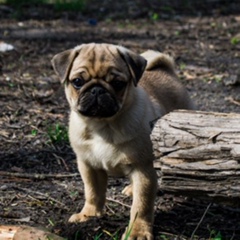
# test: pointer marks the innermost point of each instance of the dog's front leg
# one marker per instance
(144, 186)
(95, 183)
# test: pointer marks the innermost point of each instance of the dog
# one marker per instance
(114, 94)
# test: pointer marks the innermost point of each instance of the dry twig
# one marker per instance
(118, 202)
(36, 175)
(232, 100)
(44, 195)
(203, 216)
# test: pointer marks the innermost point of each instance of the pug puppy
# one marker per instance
(114, 95)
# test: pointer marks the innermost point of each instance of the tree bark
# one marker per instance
(198, 154)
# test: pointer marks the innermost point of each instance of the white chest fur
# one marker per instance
(98, 147)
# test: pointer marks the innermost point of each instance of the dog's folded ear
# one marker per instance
(135, 63)
(62, 63)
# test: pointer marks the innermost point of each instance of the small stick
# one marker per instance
(172, 235)
(36, 175)
(204, 214)
(231, 100)
(116, 201)
(45, 195)
(110, 209)
(62, 160)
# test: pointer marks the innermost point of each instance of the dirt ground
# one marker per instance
(39, 181)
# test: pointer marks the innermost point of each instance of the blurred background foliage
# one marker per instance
(112, 9)
(71, 5)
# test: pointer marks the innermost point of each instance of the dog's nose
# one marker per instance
(97, 90)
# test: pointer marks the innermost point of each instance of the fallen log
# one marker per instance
(26, 233)
(198, 155)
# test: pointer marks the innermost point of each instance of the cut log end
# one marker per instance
(26, 232)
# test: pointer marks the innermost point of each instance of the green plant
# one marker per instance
(113, 236)
(98, 236)
(215, 235)
(182, 66)
(177, 33)
(129, 228)
(77, 235)
(11, 85)
(235, 40)
(213, 24)
(218, 78)
(163, 237)
(74, 194)
(34, 132)
(57, 133)
(51, 222)
(155, 16)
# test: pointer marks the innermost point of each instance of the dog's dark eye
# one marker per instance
(118, 85)
(77, 83)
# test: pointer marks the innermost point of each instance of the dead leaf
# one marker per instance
(4, 47)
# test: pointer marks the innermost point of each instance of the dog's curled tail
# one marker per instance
(157, 59)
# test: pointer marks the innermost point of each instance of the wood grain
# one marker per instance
(198, 154)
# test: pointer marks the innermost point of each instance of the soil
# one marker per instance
(39, 181)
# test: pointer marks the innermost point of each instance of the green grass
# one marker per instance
(57, 133)
(115, 235)
(235, 40)
(51, 222)
(98, 236)
(182, 66)
(34, 132)
(77, 235)
(215, 235)
(155, 16)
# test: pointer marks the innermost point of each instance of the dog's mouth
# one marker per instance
(98, 102)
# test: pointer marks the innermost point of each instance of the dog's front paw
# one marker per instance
(138, 231)
(78, 217)
(87, 212)
(128, 190)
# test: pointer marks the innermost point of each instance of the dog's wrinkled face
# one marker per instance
(98, 77)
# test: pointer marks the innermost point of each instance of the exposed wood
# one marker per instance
(25, 233)
(7, 232)
(198, 154)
